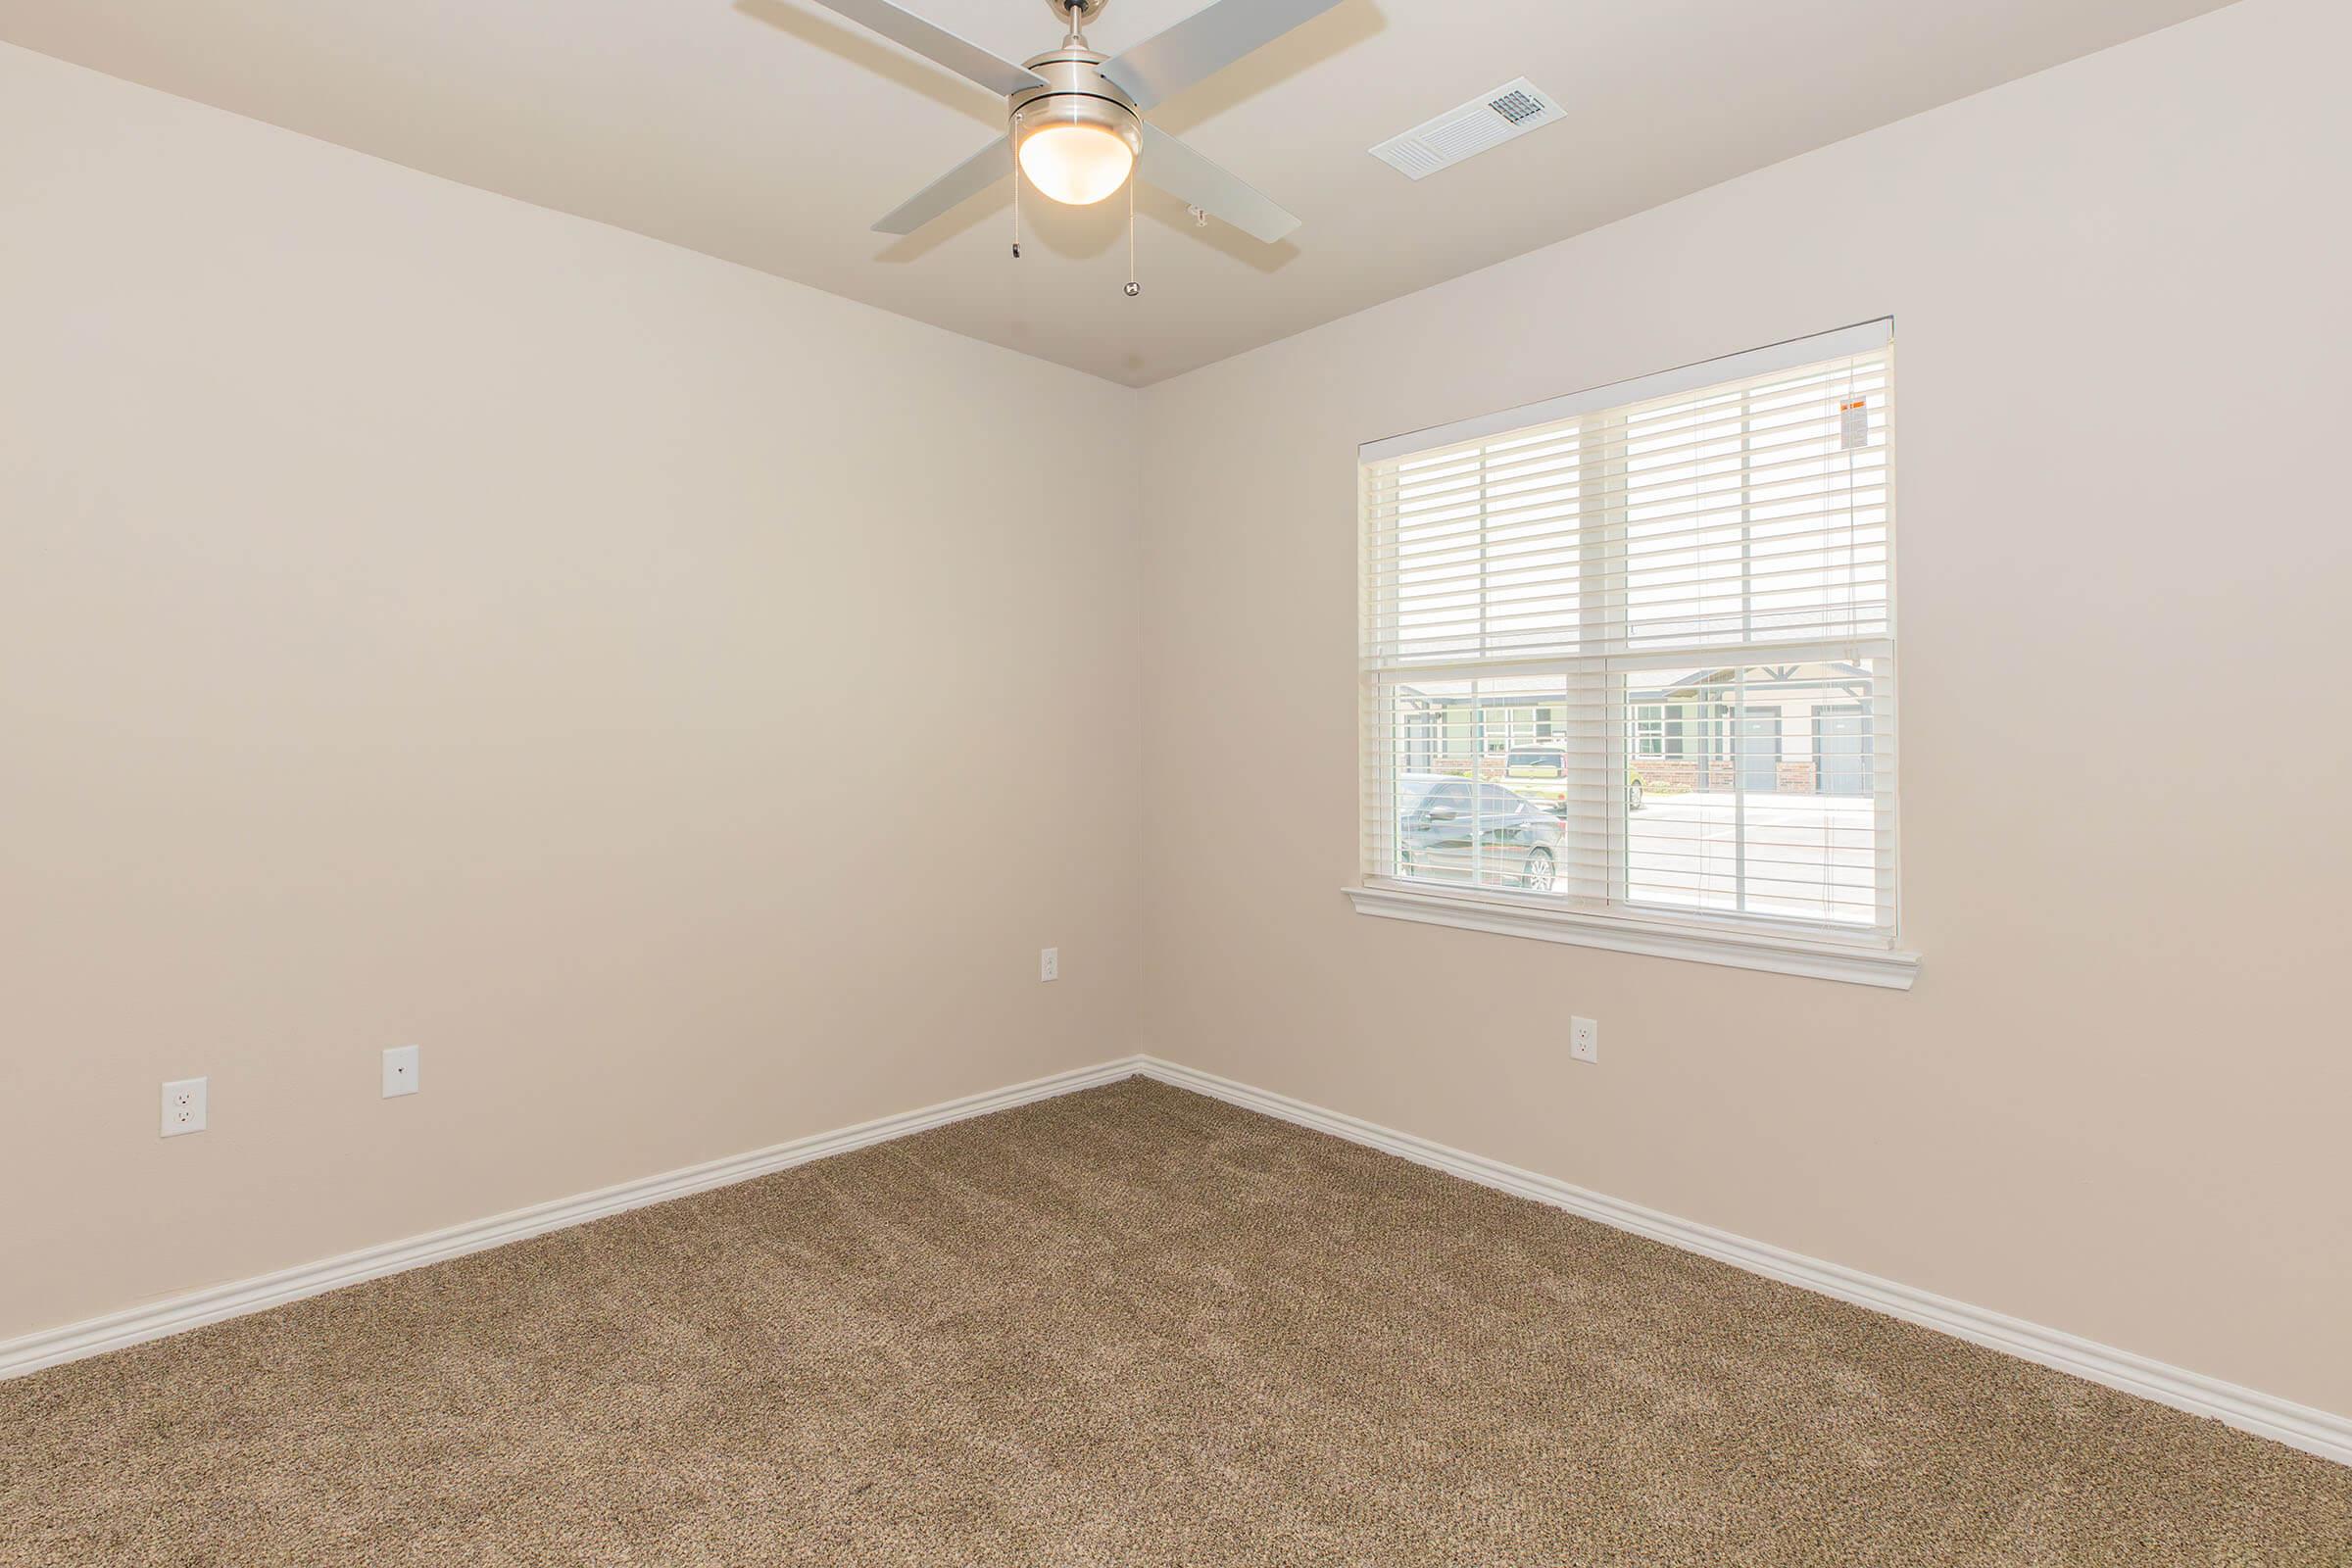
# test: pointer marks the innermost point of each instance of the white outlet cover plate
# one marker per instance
(1049, 963)
(1583, 1039)
(400, 1071)
(183, 1106)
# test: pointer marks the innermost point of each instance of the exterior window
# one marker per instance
(1660, 618)
(1649, 731)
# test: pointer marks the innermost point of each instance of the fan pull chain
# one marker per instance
(1133, 287)
(1013, 141)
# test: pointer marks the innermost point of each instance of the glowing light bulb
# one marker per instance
(1078, 165)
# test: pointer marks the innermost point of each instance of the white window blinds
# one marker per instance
(1632, 651)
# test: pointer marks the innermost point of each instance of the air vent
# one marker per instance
(1487, 122)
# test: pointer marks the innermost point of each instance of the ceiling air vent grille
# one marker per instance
(1487, 122)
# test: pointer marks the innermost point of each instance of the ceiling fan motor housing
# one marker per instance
(1075, 93)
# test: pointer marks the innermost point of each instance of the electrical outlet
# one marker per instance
(1583, 1039)
(400, 1071)
(183, 1106)
(1049, 963)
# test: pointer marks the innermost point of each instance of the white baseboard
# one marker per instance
(177, 1313)
(2297, 1426)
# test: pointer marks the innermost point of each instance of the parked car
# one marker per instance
(1537, 763)
(1448, 826)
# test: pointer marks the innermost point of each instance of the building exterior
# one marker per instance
(1800, 729)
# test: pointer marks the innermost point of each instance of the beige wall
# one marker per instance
(645, 684)
(2116, 1102)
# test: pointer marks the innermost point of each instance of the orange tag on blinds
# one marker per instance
(1853, 424)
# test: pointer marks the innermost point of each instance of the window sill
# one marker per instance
(1816, 958)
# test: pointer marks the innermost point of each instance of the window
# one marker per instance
(1684, 587)
(1649, 731)
(1502, 804)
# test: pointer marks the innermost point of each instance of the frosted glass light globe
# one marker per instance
(1078, 165)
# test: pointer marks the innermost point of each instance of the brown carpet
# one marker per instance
(1131, 1326)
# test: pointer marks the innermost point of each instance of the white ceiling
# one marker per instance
(773, 132)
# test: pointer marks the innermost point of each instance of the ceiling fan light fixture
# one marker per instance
(1077, 132)
(1079, 158)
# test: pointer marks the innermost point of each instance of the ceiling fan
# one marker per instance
(1076, 117)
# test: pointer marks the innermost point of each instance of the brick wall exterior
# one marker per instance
(1674, 774)
(1660, 775)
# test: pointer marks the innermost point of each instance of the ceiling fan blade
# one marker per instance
(938, 45)
(1190, 178)
(1203, 44)
(967, 180)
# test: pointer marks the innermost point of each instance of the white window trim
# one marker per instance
(1742, 942)
(1741, 947)
(1860, 338)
